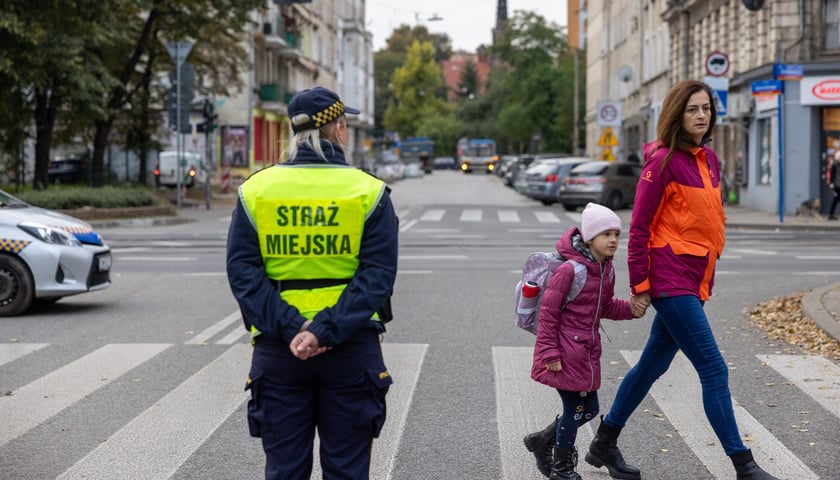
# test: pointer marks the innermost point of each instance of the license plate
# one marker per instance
(104, 262)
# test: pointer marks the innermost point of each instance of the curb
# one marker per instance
(814, 308)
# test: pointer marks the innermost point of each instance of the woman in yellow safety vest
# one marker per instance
(311, 260)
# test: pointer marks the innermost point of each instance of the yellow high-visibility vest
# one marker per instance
(309, 220)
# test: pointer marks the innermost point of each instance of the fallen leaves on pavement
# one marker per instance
(783, 319)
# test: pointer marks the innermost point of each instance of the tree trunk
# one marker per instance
(44, 122)
(100, 144)
(117, 100)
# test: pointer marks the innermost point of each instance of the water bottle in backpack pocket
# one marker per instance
(535, 274)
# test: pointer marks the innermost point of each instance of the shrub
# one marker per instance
(105, 197)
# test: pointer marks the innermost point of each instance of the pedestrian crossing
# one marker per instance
(164, 435)
(501, 215)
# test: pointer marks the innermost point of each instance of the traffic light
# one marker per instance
(210, 117)
(181, 92)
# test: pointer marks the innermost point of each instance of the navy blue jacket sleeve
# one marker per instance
(372, 283)
(258, 300)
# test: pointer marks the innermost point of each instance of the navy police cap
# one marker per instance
(315, 107)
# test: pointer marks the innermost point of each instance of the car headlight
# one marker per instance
(50, 235)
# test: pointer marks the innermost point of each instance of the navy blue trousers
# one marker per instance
(341, 393)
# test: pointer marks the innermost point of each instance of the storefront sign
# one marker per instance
(766, 87)
(787, 72)
(820, 91)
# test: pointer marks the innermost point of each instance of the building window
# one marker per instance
(764, 152)
(832, 24)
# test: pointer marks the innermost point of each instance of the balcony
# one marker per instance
(274, 92)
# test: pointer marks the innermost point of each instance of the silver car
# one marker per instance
(46, 255)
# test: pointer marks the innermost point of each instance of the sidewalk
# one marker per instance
(821, 305)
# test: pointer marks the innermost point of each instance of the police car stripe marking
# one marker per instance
(678, 393)
(165, 435)
(38, 401)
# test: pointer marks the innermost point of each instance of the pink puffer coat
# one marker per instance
(570, 335)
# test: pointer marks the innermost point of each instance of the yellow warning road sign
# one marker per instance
(608, 139)
(607, 155)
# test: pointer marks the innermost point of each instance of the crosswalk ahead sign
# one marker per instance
(720, 97)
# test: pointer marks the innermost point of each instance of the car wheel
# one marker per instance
(615, 201)
(547, 202)
(569, 208)
(17, 288)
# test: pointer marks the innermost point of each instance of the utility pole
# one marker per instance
(179, 52)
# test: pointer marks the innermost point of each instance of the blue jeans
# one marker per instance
(681, 323)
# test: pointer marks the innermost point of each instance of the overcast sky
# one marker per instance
(469, 23)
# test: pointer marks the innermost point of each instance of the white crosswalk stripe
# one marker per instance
(13, 351)
(40, 400)
(678, 394)
(817, 376)
(476, 215)
(165, 435)
(168, 433)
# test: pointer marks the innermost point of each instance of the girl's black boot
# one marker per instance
(603, 451)
(747, 469)
(540, 444)
(565, 461)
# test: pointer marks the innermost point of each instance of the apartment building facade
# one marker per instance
(774, 149)
(295, 46)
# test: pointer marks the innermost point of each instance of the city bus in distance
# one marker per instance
(477, 154)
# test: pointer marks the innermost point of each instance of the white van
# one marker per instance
(192, 169)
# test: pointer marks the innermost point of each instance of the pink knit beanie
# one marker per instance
(597, 219)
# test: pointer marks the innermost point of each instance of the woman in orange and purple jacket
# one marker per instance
(676, 236)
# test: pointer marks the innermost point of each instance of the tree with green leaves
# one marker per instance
(414, 85)
(393, 56)
(539, 96)
(59, 71)
(217, 28)
(468, 83)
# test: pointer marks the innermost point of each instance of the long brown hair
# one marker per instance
(669, 130)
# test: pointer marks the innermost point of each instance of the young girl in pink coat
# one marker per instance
(567, 353)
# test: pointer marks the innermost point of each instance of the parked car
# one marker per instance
(504, 164)
(612, 184)
(192, 169)
(543, 180)
(517, 169)
(68, 169)
(46, 255)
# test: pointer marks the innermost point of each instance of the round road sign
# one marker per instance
(717, 64)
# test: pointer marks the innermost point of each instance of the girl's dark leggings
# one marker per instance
(578, 408)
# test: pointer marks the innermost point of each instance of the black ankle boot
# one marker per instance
(540, 444)
(747, 469)
(603, 451)
(563, 467)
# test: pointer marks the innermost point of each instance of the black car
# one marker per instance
(71, 169)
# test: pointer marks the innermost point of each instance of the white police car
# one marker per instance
(46, 255)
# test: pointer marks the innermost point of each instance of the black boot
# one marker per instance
(747, 469)
(540, 444)
(603, 451)
(563, 467)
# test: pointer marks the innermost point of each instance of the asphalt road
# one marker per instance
(144, 379)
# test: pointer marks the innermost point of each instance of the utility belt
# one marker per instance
(385, 312)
